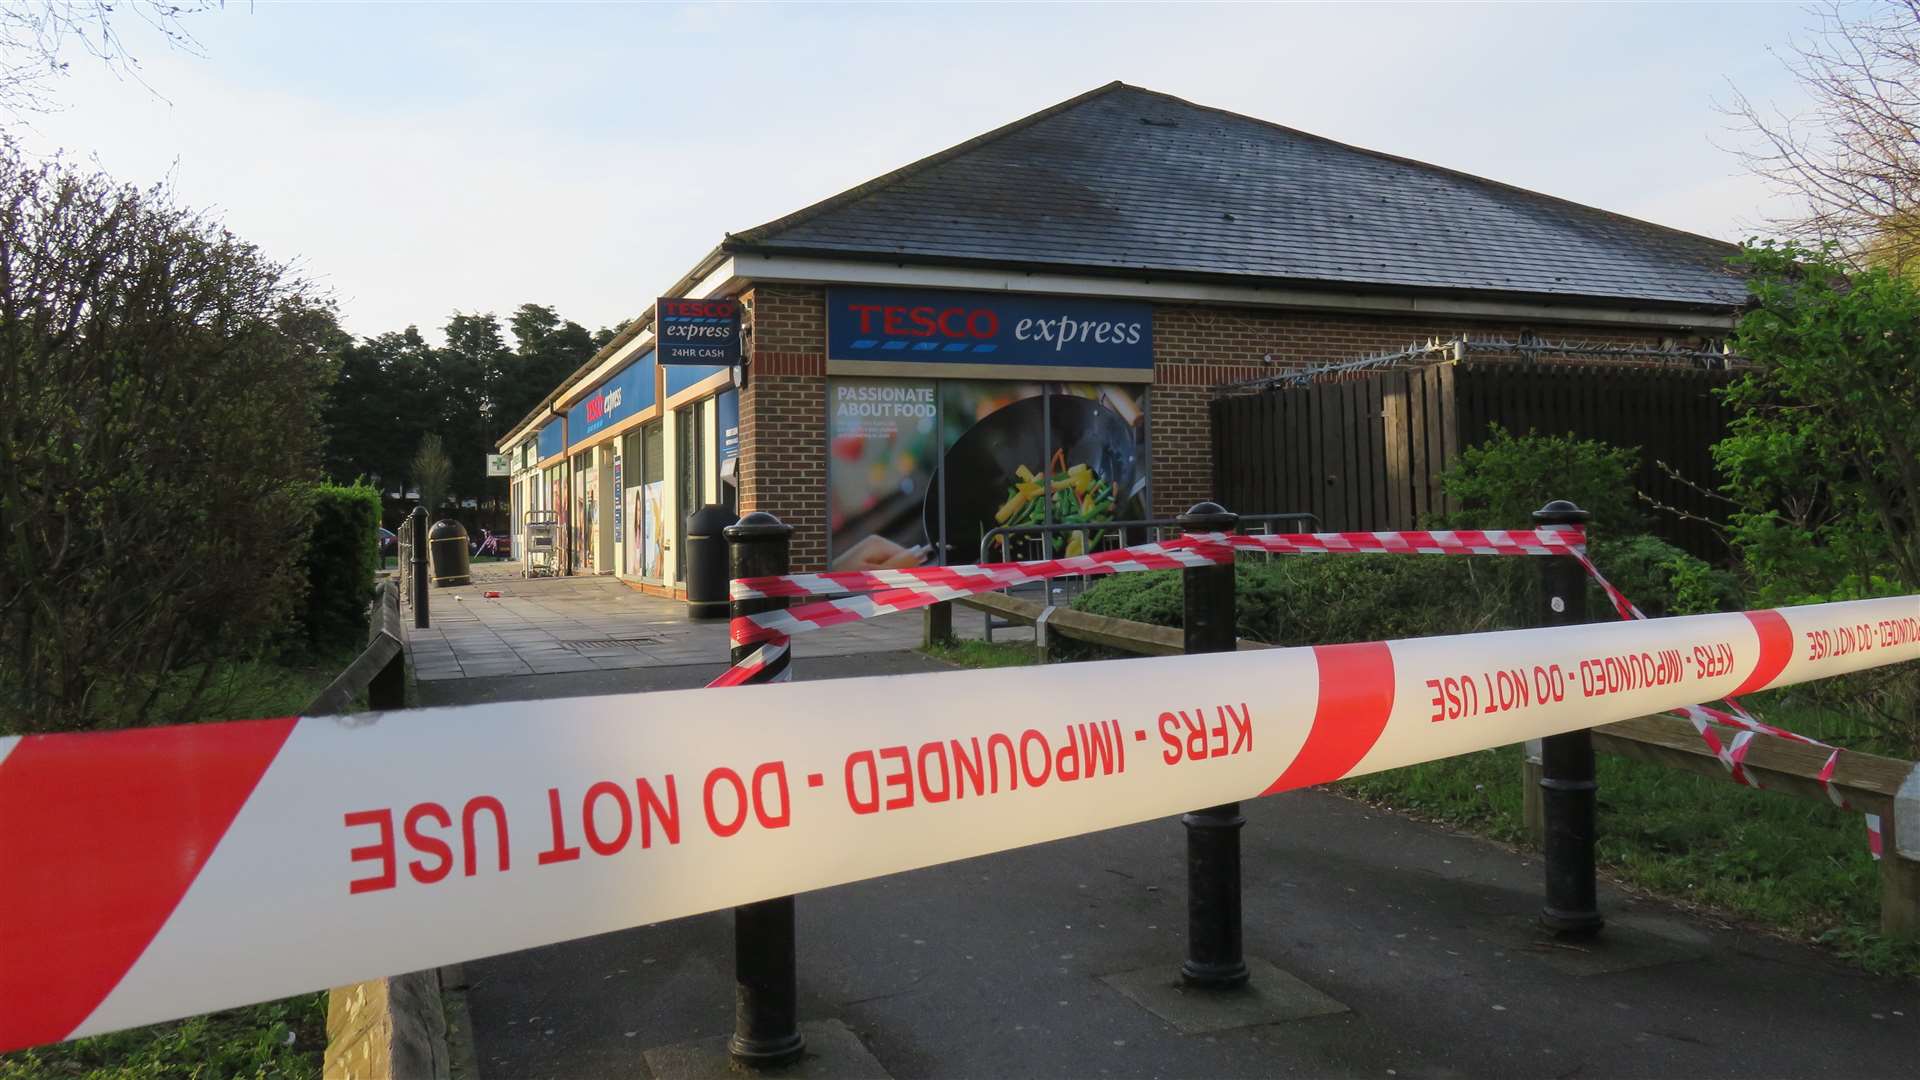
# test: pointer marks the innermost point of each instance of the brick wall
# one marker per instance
(783, 415)
(783, 411)
(1197, 348)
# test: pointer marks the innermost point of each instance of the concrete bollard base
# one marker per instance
(833, 1050)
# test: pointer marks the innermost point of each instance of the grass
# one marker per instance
(276, 1040)
(1795, 865)
(980, 654)
(280, 1040)
(247, 690)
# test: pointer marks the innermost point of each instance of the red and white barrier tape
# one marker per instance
(886, 592)
(164, 872)
(918, 587)
(1190, 550)
(1732, 756)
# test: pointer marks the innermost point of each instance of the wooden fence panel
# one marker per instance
(1368, 452)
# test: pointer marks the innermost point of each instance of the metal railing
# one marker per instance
(1021, 543)
(1118, 534)
(411, 544)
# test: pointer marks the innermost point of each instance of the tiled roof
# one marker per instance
(1125, 179)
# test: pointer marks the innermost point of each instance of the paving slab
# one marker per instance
(1270, 996)
(539, 622)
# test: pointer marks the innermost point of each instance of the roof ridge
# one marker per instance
(1428, 165)
(765, 231)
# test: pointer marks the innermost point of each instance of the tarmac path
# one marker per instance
(1031, 962)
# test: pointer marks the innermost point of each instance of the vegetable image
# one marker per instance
(1059, 457)
(1078, 496)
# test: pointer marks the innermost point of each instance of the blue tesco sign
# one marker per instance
(625, 393)
(936, 326)
(550, 437)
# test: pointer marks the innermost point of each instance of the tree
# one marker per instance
(380, 406)
(160, 385)
(432, 473)
(1823, 462)
(35, 33)
(1851, 162)
(547, 350)
(606, 334)
(1823, 459)
(464, 382)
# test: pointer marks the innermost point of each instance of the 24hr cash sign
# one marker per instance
(167, 872)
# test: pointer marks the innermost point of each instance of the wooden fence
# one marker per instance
(1365, 451)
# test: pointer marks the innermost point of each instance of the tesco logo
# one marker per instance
(954, 322)
(701, 309)
(601, 403)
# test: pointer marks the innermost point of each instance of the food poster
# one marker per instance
(589, 519)
(652, 517)
(635, 535)
(882, 439)
(884, 485)
(1008, 469)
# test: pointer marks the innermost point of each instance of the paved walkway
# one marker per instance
(547, 626)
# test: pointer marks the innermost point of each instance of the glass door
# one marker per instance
(647, 507)
(688, 445)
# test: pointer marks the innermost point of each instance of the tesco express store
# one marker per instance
(622, 458)
(891, 427)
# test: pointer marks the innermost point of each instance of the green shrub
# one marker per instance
(1660, 578)
(343, 551)
(1316, 599)
(160, 385)
(1501, 482)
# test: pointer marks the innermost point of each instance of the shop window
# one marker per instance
(920, 471)
(646, 503)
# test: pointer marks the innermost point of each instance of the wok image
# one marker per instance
(989, 457)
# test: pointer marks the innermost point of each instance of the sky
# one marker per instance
(421, 159)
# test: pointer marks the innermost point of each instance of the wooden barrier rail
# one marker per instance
(380, 669)
(1871, 784)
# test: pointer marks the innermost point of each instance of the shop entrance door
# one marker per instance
(688, 448)
(603, 515)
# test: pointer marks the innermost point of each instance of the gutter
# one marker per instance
(734, 245)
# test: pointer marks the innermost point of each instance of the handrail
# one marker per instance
(379, 670)
(986, 538)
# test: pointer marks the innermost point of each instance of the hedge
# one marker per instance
(343, 552)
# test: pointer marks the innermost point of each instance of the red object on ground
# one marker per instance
(491, 594)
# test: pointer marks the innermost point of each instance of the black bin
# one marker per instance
(447, 554)
(706, 556)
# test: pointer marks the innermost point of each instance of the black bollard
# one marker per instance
(417, 572)
(1214, 957)
(1568, 792)
(766, 983)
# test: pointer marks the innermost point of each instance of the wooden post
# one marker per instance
(1043, 635)
(1900, 862)
(1532, 810)
(937, 622)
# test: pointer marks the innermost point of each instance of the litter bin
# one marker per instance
(706, 555)
(447, 554)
